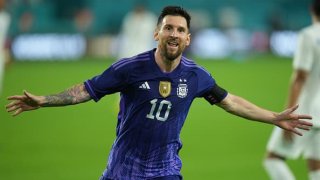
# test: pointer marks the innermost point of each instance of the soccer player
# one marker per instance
(4, 27)
(133, 31)
(305, 90)
(157, 88)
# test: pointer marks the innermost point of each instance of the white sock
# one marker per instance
(314, 175)
(277, 169)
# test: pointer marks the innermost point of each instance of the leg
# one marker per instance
(313, 156)
(278, 150)
(277, 168)
(314, 169)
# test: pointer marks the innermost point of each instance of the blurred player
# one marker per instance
(4, 27)
(137, 30)
(157, 88)
(305, 90)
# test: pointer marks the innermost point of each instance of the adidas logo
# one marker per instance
(144, 85)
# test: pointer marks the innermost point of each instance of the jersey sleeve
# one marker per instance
(303, 58)
(205, 81)
(110, 81)
(208, 89)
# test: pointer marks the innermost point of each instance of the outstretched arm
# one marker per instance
(27, 102)
(286, 120)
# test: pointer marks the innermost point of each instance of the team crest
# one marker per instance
(164, 88)
(182, 90)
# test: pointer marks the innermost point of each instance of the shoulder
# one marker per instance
(309, 36)
(310, 31)
(132, 62)
(192, 66)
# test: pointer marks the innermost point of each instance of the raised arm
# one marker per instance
(27, 102)
(286, 120)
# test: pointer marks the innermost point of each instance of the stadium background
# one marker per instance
(73, 142)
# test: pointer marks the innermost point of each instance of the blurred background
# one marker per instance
(93, 27)
(50, 45)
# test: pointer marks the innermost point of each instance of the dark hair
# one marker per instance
(315, 7)
(174, 11)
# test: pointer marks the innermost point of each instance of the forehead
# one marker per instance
(177, 21)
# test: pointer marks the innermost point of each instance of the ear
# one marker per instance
(188, 39)
(156, 34)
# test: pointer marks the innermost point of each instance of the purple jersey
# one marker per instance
(153, 108)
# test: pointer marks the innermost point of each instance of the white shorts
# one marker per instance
(307, 145)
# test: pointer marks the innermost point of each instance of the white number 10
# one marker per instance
(158, 116)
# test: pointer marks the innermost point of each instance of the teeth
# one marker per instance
(173, 43)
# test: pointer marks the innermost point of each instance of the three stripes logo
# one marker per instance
(144, 85)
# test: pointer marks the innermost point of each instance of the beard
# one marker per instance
(171, 56)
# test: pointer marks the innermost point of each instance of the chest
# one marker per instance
(174, 89)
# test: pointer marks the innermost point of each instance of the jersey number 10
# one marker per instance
(157, 112)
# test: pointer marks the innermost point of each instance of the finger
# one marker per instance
(17, 112)
(296, 132)
(27, 94)
(12, 104)
(305, 123)
(13, 108)
(307, 128)
(294, 108)
(303, 116)
(16, 97)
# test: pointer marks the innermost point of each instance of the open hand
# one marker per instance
(289, 121)
(21, 103)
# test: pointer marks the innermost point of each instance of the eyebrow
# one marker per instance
(179, 27)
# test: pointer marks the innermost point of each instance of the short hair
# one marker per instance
(174, 11)
(315, 7)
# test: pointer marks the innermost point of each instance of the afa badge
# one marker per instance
(164, 88)
(182, 90)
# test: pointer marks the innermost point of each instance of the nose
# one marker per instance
(174, 33)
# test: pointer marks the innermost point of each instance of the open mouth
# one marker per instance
(173, 44)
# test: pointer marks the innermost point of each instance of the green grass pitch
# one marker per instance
(72, 143)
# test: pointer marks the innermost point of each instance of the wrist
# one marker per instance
(275, 118)
(43, 101)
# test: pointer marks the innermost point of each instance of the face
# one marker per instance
(173, 36)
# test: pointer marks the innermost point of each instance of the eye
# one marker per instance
(181, 30)
(167, 28)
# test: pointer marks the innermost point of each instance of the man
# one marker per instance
(4, 27)
(305, 90)
(138, 26)
(157, 88)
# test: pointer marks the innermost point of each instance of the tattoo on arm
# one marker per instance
(74, 95)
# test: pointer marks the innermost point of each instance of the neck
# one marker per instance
(165, 64)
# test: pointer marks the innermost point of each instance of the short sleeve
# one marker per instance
(110, 81)
(205, 82)
(303, 58)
